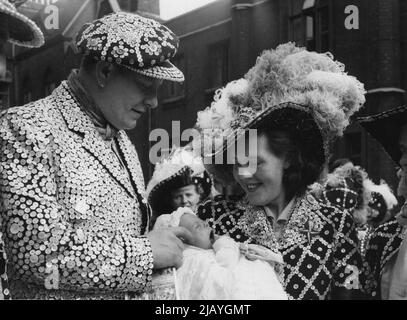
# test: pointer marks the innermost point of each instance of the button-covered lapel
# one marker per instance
(133, 163)
(92, 141)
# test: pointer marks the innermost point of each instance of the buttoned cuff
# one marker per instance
(141, 262)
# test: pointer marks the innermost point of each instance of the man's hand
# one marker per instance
(167, 246)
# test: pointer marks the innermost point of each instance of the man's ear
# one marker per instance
(103, 72)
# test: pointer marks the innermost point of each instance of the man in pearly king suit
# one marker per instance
(72, 203)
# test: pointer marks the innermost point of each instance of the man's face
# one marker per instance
(186, 196)
(127, 96)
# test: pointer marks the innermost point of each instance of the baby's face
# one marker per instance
(202, 234)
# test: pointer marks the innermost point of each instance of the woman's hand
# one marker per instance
(255, 252)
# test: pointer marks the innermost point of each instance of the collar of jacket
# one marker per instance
(88, 105)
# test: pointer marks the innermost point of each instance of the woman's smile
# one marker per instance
(252, 187)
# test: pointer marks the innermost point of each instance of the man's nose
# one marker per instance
(184, 199)
(152, 101)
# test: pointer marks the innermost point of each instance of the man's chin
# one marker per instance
(130, 126)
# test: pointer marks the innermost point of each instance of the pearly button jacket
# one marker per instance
(319, 242)
(73, 219)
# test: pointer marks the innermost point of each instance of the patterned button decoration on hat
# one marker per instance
(140, 44)
(22, 31)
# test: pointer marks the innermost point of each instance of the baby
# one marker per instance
(218, 268)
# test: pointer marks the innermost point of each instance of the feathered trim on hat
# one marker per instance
(286, 74)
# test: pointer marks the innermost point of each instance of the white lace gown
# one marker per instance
(225, 274)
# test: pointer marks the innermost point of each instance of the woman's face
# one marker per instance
(264, 186)
(186, 196)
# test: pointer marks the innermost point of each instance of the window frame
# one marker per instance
(211, 85)
(318, 33)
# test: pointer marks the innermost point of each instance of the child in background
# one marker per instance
(218, 268)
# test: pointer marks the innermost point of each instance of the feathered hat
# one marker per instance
(288, 88)
(179, 169)
(22, 30)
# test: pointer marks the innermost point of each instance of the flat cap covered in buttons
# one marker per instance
(140, 44)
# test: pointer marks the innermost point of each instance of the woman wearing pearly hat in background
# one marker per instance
(19, 30)
(298, 102)
(74, 211)
(179, 180)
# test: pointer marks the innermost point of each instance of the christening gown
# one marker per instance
(224, 273)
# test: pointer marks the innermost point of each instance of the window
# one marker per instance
(309, 16)
(128, 5)
(309, 24)
(323, 24)
(173, 89)
(104, 9)
(218, 64)
(4, 95)
(49, 88)
(49, 84)
(27, 96)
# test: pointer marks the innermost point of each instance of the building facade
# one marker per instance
(221, 41)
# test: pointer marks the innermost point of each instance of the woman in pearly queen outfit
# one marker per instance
(299, 102)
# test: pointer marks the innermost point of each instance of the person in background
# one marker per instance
(179, 180)
(386, 251)
(17, 29)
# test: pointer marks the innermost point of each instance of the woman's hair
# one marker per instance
(306, 162)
